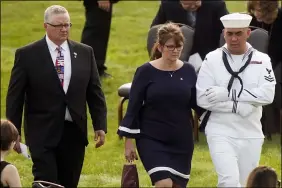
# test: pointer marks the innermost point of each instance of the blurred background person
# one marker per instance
(268, 16)
(202, 15)
(263, 176)
(9, 173)
(159, 112)
(96, 31)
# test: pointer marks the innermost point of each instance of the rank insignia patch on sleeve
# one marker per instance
(269, 78)
(268, 70)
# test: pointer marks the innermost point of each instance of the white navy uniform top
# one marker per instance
(258, 90)
(67, 66)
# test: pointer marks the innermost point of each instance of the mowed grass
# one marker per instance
(22, 23)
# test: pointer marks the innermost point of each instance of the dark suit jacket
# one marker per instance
(275, 41)
(208, 25)
(35, 83)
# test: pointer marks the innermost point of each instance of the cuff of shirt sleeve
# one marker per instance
(97, 128)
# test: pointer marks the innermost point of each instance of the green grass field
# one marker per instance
(22, 23)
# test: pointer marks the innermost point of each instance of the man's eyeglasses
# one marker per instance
(172, 47)
(60, 26)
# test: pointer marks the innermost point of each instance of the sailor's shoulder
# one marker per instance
(214, 55)
(261, 57)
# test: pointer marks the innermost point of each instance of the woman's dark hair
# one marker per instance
(263, 176)
(9, 134)
(268, 8)
(166, 32)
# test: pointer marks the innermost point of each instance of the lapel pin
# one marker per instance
(75, 54)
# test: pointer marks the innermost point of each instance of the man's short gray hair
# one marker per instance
(54, 9)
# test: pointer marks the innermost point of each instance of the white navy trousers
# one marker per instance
(234, 158)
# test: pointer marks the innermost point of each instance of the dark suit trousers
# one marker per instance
(63, 164)
(96, 33)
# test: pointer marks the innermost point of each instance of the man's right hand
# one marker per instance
(130, 151)
(217, 94)
(17, 146)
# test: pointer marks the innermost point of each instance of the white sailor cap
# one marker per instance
(236, 20)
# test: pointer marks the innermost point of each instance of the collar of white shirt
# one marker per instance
(52, 46)
(248, 45)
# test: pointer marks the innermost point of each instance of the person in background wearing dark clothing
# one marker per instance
(203, 16)
(8, 173)
(96, 30)
(268, 16)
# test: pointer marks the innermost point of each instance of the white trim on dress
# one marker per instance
(157, 169)
(132, 131)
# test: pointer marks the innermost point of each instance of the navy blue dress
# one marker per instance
(159, 118)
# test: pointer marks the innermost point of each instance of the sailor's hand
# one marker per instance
(244, 109)
(217, 94)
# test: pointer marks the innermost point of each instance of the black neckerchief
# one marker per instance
(233, 76)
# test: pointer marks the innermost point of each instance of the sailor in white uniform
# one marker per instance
(233, 84)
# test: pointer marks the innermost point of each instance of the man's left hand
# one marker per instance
(99, 138)
(217, 94)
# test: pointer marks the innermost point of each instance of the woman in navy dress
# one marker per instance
(159, 112)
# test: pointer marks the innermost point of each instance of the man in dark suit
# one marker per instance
(203, 16)
(55, 77)
(96, 30)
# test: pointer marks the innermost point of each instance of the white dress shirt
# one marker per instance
(67, 65)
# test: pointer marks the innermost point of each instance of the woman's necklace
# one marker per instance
(171, 73)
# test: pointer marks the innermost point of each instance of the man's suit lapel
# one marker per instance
(48, 59)
(74, 61)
